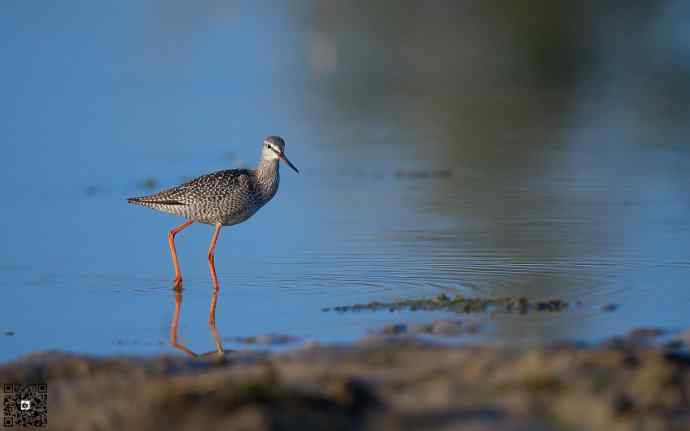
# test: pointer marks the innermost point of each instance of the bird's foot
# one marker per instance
(177, 284)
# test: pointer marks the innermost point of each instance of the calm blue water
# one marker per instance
(587, 202)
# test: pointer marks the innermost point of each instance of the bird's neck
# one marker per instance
(268, 177)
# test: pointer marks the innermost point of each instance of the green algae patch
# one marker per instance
(460, 304)
(264, 339)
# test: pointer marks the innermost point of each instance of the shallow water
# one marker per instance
(587, 203)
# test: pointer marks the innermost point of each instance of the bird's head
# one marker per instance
(274, 149)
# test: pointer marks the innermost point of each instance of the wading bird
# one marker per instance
(223, 198)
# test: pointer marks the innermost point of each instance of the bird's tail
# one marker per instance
(152, 201)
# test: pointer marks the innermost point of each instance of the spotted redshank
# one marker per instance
(223, 198)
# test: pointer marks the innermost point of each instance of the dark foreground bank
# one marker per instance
(397, 383)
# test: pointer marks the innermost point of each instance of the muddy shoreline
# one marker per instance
(382, 382)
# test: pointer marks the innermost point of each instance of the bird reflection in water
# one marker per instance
(211, 325)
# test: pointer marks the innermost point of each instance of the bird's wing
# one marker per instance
(205, 188)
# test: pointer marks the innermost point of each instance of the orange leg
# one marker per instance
(211, 254)
(173, 253)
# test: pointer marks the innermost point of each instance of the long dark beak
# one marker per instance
(285, 159)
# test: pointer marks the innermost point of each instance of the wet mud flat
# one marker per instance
(382, 382)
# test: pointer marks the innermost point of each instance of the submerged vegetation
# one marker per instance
(460, 304)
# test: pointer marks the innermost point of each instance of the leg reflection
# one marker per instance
(212, 321)
(211, 324)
